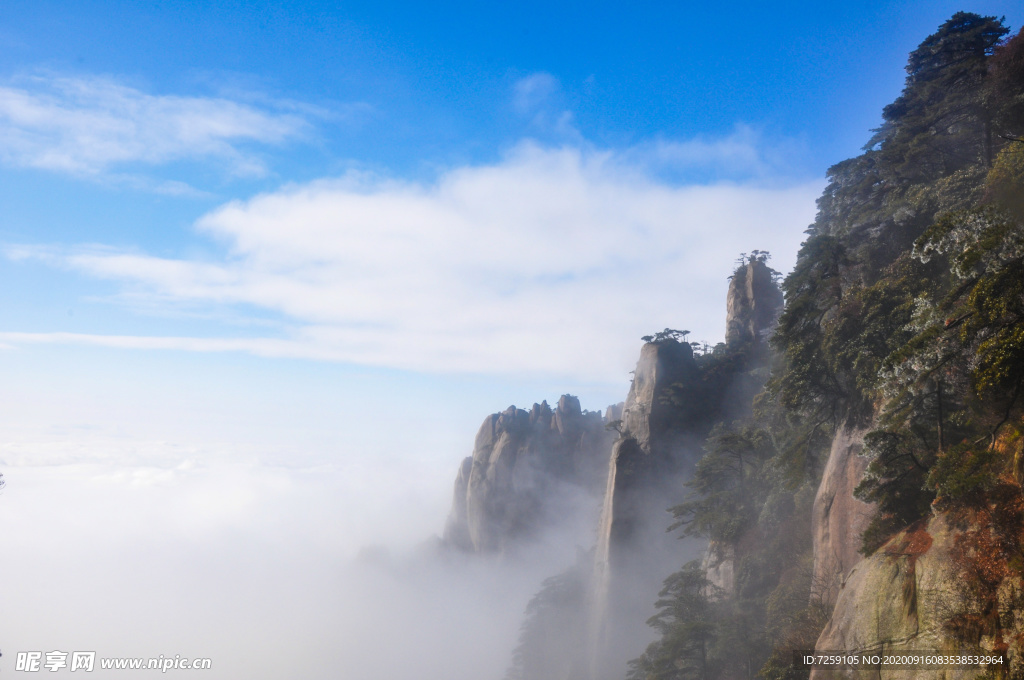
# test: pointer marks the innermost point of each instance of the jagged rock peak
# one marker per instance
(504, 491)
(645, 455)
(662, 363)
(752, 304)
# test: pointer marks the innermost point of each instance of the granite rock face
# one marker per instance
(646, 454)
(752, 305)
(839, 519)
(647, 415)
(902, 598)
(719, 566)
(634, 552)
(891, 600)
(506, 491)
(897, 601)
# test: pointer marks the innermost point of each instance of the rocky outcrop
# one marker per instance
(899, 600)
(505, 491)
(634, 552)
(893, 600)
(648, 413)
(839, 519)
(719, 566)
(752, 305)
(646, 454)
(906, 597)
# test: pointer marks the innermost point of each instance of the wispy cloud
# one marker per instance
(553, 261)
(88, 126)
(744, 154)
(539, 98)
(534, 91)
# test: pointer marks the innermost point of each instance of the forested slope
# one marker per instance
(902, 336)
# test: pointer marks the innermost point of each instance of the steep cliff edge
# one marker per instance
(904, 314)
(648, 415)
(902, 598)
(838, 518)
(650, 447)
(894, 600)
(752, 304)
(661, 427)
(504, 492)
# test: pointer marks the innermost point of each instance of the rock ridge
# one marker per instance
(503, 491)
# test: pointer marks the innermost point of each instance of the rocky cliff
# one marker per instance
(753, 304)
(908, 597)
(648, 461)
(657, 437)
(648, 415)
(893, 601)
(505, 491)
(900, 339)
(839, 519)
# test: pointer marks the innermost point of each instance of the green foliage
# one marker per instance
(742, 498)
(984, 325)
(907, 295)
(905, 310)
(929, 157)
(796, 611)
(1006, 87)
(748, 497)
(943, 120)
(895, 481)
(721, 380)
(727, 489)
(761, 256)
(552, 633)
(965, 474)
(1002, 185)
(957, 379)
(689, 624)
(812, 291)
(666, 335)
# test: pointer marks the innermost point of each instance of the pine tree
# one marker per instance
(943, 120)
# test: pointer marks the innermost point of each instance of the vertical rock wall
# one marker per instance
(752, 305)
(504, 491)
(839, 519)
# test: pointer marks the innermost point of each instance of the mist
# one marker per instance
(147, 513)
(242, 565)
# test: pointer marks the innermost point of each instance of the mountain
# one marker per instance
(882, 478)
(588, 621)
(845, 470)
(524, 466)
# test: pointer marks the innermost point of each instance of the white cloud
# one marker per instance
(551, 262)
(539, 98)
(535, 91)
(744, 153)
(88, 125)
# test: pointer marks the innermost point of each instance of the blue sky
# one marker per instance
(407, 88)
(132, 132)
(495, 201)
(298, 251)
